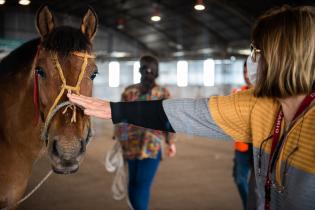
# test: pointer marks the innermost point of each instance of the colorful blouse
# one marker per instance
(138, 142)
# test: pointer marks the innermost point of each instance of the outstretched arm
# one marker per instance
(148, 114)
(173, 115)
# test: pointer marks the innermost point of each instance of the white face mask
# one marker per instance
(252, 68)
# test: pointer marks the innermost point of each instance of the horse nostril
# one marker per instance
(54, 148)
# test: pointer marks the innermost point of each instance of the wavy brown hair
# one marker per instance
(286, 38)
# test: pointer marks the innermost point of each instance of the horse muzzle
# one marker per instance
(66, 155)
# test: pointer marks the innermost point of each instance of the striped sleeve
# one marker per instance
(192, 116)
(232, 114)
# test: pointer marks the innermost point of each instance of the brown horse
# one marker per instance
(34, 80)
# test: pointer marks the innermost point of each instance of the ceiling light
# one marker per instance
(244, 51)
(120, 23)
(119, 54)
(156, 16)
(2, 2)
(178, 54)
(199, 5)
(24, 2)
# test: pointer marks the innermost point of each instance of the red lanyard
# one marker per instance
(275, 139)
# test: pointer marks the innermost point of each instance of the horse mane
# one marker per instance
(63, 39)
(19, 58)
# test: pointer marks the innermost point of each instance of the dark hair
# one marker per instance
(150, 61)
(66, 39)
(19, 59)
(148, 81)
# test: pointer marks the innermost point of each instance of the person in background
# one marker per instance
(142, 148)
(243, 161)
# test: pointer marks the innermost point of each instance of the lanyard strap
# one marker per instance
(275, 140)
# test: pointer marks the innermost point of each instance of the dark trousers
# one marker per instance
(243, 164)
(141, 175)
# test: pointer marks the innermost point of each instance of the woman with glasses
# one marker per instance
(142, 148)
(277, 115)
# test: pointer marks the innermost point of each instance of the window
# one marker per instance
(182, 73)
(208, 72)
(113, 74)
(136, 73)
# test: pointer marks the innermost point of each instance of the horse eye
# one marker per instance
(40, 71)
(94, 75)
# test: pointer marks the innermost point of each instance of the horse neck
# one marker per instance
(18, 109)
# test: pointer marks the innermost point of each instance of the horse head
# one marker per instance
(64, 63)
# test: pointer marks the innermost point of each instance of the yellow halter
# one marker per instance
(54, 57)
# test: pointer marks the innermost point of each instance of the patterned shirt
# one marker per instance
(138, 142)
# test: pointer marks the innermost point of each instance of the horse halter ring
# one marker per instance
(67, 104)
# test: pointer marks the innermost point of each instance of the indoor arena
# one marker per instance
(157, 105)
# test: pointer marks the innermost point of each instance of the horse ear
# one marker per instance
(89, 24)
(44, 21)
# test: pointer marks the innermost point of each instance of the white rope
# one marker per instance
(114, 162)
(30, 193)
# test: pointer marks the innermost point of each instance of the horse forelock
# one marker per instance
(62, 40)
(65, 40)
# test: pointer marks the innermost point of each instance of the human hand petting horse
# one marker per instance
(92, 106)
(34, 81)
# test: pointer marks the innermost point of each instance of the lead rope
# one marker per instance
(114, 163)
(90, 135)
(30, 193)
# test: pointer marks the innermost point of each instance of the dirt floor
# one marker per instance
(198, 178)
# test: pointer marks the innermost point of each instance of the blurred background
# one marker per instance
(192, 38)
(201, 45)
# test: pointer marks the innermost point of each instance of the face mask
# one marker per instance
(252, 68)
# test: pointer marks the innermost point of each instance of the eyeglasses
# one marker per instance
(254, 52)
